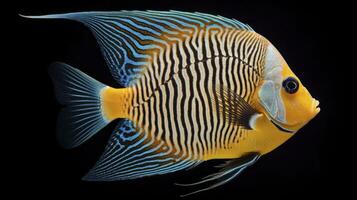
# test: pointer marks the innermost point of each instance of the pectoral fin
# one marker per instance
(234, 108)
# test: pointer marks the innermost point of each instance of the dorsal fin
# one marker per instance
(128, 38)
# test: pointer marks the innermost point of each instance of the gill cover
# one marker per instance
(269, 93)
(270, 98)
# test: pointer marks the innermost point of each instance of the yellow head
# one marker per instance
(285, 101)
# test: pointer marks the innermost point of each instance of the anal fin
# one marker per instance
(131, 154)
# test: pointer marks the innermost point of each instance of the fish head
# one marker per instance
(285, 100)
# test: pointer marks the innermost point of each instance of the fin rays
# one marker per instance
(82, 116)
(131, 153)
(126, 38)
(230, 170)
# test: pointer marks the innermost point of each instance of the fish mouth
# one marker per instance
(315, 107)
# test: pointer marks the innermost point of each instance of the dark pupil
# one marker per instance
(291, 85)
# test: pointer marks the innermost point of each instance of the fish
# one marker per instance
(194, 87)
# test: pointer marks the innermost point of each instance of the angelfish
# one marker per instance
(195, 87)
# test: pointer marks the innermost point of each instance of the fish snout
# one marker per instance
(315, 109)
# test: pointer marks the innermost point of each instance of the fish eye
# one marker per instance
(291, 85)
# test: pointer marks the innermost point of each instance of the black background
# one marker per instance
(299, 168)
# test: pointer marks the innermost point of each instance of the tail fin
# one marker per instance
(82, 117)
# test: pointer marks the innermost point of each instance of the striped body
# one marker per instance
(173, 100)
